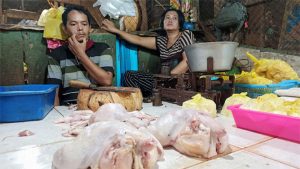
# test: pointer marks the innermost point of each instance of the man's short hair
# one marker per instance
(80, 9)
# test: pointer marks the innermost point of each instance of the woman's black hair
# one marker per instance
(180, 18)
(80, 9)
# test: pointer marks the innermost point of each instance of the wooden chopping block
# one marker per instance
(130, 98)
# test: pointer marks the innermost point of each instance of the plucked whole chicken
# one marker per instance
(190, 132)
(110, 145)
(114, 111)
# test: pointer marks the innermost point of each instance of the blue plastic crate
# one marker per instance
(255, 90)
(26, 102)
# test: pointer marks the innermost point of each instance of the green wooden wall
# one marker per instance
(19, 46)
(148, 60)
(29, 46)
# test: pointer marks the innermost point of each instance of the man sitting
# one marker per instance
(79, 59)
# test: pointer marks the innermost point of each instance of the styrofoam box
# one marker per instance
(26, 102)
(275, 125)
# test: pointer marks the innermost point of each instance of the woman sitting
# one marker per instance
(170, 46)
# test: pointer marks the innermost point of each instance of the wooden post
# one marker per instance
(96, 15)
(1, 13)
(88, 4)
(19, 14)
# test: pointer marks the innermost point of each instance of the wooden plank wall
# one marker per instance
(274, 12)
(290, 32)
(265, 20)
(11, 58)
(255, 33)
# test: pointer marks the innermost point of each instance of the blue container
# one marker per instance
(255, 90)
(189, 26)
(26, 102)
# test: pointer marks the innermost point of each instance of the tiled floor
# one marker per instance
(247, 149)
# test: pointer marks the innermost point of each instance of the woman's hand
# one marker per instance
(109, 26)
(182, 67)
(147, 42)
(77, 48)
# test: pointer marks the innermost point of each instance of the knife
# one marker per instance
(83, 85)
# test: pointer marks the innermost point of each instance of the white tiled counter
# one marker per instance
(247, 149)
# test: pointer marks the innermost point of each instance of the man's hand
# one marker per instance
(76, 47)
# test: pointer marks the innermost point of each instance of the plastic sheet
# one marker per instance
(116, 8)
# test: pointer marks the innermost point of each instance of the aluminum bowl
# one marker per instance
(223, 54)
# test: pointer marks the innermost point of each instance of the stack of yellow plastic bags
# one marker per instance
(267, 71)
(266, 103)
(251, 78)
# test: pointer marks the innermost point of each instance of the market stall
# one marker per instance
(230, 106)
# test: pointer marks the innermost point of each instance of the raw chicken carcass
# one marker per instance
(115, 111)
(108, 145)
(191, 132)
(76, 122)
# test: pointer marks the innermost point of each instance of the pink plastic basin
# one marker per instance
(275, 125)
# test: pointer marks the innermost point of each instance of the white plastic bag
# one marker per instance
(116, 8)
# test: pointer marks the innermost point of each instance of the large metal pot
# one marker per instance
(222, 53)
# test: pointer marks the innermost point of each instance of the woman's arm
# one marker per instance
(147, 42)
(182, 67)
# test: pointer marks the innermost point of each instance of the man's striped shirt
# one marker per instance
(63, 66)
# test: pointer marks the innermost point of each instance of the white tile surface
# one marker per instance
(175, 160)
(45, 132)
(239, 137)
(39, 157)
(158, 110)
(284, 151)
(250, 150)
(242, 160)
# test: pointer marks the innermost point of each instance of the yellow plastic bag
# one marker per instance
(251, 78)
(202, 104)
(273, 69)
(42, 18)
(234, 99)
(265, 103)
(53, 24)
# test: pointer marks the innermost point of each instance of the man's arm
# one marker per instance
(101, 76)
(54, 76)
(56, 101)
